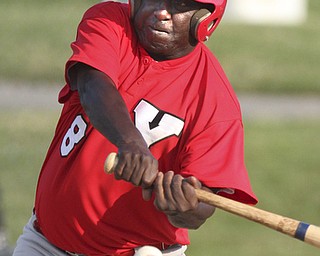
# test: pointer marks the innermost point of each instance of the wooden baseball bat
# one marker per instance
(294, 228)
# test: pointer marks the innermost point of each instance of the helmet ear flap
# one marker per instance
(200, 24)
(133, 7)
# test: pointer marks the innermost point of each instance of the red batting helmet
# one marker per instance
(203, 22)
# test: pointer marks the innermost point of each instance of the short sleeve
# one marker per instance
(216, 157)
(98, 39)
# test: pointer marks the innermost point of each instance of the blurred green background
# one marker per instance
(282, 156)
(36, 37)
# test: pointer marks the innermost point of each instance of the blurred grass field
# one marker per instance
(282, 157)
(272, 59)
(284, 59)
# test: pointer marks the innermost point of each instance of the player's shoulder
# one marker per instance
(209, 55)
(218, 81)
(213, 63)
(107, 9)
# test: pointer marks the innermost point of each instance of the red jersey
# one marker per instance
(186, 111)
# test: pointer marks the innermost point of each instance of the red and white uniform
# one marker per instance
(185, 109)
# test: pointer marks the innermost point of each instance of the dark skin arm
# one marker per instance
(108, 113)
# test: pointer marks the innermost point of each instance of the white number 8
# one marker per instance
(75, 133)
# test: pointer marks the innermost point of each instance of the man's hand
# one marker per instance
(137, 165)
(175, 196)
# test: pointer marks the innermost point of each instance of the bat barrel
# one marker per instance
(300, 230)
(308, 233)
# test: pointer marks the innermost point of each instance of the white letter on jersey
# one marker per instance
(156, 125)
(75, 133)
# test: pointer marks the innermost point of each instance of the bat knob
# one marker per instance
(110, 163)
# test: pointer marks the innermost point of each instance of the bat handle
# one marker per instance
(111, 162)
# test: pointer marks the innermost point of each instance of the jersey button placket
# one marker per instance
(146, 61)
(140, 81)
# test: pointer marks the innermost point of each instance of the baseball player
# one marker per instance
(140, 82)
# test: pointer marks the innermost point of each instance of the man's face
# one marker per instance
(163, 27)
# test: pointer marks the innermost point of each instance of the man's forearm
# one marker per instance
(105, 108)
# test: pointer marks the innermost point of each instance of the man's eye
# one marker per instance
(185, 5)
(180, 3)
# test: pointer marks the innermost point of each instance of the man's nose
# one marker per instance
(162, 10)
